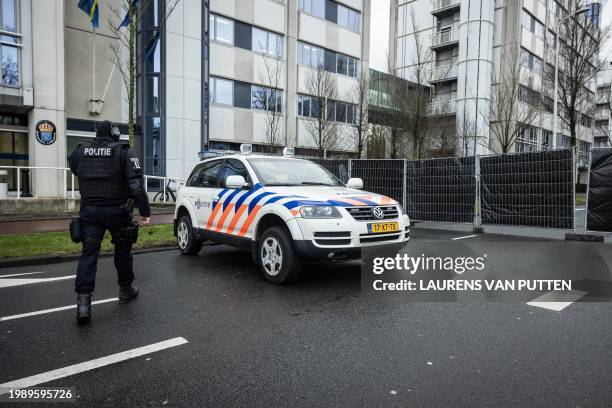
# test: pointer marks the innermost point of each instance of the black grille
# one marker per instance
(365, 213)
(339, 234)
(333, 241)
(367, 238)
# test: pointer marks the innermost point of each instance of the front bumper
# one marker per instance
(345, 238)
(308, 250)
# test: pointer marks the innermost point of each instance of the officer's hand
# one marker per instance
(145, 220)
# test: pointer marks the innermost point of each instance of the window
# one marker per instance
(205, 175)
(221, 91)
(529, 96)
(528, 60)
(584, 151)
(314, 7)
(263, 98)
(309, 55)
(10, 44)
(551, 39)
(528, 139)
(586, 121)
(547, 137)
(221, 29)
(233, 167)
(533, 25)
(267, 43)
(308, 106)
(346, 65)
(348, 18)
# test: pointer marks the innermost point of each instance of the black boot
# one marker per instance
(127, 294)
(84, 307)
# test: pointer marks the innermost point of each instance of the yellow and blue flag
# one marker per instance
(126, 20)
(90, 7)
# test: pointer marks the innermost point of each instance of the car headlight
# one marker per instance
(315, 211)
(401, 209)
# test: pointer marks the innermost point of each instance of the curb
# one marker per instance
(584, 237)
(54, 259)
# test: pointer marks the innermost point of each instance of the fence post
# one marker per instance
(18, 182)
(404, 187)
(477, 227)
(350, 168)
(164, 190)
(65, 184)
(72, 183)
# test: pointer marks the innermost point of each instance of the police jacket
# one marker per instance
(109, 174)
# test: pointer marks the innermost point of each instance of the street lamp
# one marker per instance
(555, 108)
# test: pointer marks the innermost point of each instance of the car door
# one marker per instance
(232, 209)
(204, 192)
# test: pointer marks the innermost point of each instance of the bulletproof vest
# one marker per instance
(101, 171)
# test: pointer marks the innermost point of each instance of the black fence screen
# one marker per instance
(528, 189)
(440, 189)
(383, 176)
(599, 208)
(523, 189)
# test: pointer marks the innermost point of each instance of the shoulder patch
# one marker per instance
(135, 163)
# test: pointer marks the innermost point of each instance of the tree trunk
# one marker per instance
(132, 80)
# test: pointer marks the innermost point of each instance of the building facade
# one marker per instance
(254, 57)
(603, 121)
(210, 72)
(54, 88)
(470, 43)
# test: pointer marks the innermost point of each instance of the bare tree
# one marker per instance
(359, 96)
(376, 142)
(399, 95)
(579, 63)
(418, 73)
(131, 12)
(270, 97)
(322, 87)
(513, 105)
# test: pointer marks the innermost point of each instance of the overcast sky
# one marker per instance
(379, 33)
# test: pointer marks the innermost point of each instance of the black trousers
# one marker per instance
(95, 221)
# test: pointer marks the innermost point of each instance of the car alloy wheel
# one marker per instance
(271, 256)
(182, 235)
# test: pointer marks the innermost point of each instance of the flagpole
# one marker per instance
(93, 63)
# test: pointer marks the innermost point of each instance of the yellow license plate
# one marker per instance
(383, 227)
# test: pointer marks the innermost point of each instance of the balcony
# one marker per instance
(445, 37)
(440, 7)
(443, 73)
(442, 108)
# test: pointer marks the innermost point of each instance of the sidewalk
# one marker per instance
(25, 223)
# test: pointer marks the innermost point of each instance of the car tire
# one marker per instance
(185, 238)
(277, 258)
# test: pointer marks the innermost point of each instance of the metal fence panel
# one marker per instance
(440, 189)
(599, 200)
(383, 176)
(338, 167)
(528, 189)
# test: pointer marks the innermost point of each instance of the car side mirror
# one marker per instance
(355, 183)
(235, 181)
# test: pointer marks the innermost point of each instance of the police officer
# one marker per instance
(110, 183)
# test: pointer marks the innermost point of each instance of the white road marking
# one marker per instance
(90, 365)
(55, 309)
(467, 236)
(557, 300)
(19, 274)
(5, 283)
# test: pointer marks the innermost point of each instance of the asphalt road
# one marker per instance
(320, 341)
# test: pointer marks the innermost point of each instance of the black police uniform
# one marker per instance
(109, 175)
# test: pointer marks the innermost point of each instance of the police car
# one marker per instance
(285, 211)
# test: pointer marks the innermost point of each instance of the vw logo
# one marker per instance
(378, 213)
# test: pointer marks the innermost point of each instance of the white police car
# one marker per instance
(285, 211)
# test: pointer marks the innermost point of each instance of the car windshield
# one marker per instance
(289, 172)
